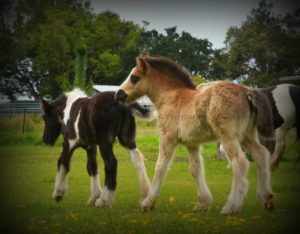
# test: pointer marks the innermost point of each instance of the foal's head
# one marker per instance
(52, 122)
(152, 74)
(135, 84)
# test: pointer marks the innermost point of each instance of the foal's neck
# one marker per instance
(166, 97)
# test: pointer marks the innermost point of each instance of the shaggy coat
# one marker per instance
(224, 111)
(285, 104)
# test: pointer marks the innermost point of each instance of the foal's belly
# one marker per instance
(195, 132)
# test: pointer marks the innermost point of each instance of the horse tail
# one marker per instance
(261, 108)
(295, 95)
(127, 129)
(143, 112)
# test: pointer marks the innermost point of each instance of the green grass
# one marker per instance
(27, 175)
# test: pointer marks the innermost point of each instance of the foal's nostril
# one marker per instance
(121, 96)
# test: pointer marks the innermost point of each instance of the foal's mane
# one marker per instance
(71, 95)
(61, 99)
(168, 65)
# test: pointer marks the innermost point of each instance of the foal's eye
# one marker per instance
(134, 79)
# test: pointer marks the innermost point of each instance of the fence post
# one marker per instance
(24, 116)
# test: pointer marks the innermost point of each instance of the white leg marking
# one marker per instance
(240, 165)
(106, 198)
(60, 186)
(166, 150)
(138, 159)
(261, 157)
(198, 172)
(95, 189)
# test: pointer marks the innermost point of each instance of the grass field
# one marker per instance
(27, 172)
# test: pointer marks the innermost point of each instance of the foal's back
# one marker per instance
(219, 106)
(102, 115)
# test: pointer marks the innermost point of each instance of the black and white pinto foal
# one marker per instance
(285, 101)
(87, 122)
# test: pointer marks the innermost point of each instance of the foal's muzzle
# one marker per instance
(121, 96)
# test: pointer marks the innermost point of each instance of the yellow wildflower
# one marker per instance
(145, 222)
(73, 216)
(234, 221)
(133, 221)
(184, 216)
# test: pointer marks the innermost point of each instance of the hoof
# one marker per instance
(269, 206)
(58, 195)
(102, 204)
(229, 213)
(268, 201)
(200, 207)
(148, 204)
(145, 209)
(229, 209)
(58, 198)
(92, 200)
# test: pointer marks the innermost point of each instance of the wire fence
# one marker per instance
(13, 109)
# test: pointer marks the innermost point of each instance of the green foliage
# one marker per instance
(80, 66)
(33, 123)
(192, 53)
(198, 79)
(218, 65)
(62, 44)
(45, 33)
(17, 138)
(108, 66)
(112, 48)
(52, 46)
(264, 48)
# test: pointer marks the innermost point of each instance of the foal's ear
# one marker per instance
(142, 65)
(46, 106)
(143, 55)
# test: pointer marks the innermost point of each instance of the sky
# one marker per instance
(208, 19)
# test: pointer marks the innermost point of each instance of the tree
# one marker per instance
(264, 48)
(112, 48)
(53, 46)
(217, 66)
(192, 53)
(10, 51)
(81, 68)
(44, 34)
